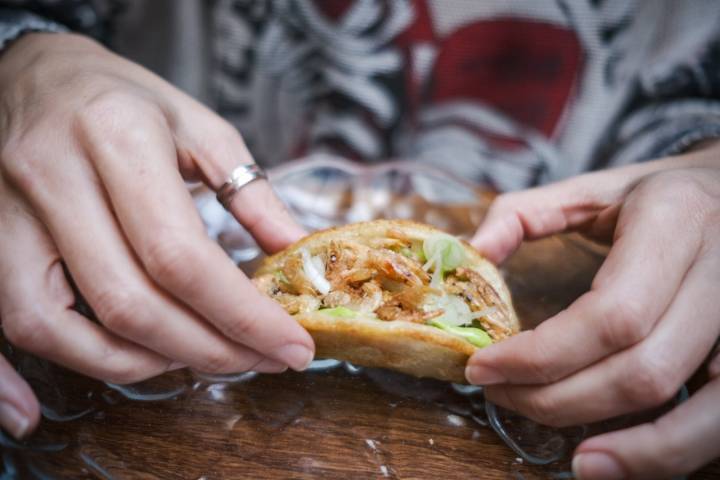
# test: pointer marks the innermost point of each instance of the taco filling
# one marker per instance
(393, 278)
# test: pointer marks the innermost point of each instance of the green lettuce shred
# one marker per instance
(339, 312)
(476, 336)
(445, 251)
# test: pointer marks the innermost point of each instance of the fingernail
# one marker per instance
(13, 421)
(296, 356)
(596, 465)
(481, 375)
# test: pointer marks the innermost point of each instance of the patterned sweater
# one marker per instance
(510, 92)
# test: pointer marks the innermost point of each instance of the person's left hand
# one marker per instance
(630, 343)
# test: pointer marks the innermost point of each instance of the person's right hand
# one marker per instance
(94, 151)
(647, 324)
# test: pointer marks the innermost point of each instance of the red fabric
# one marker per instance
(525, 69)
(334, 9)
(421, 29)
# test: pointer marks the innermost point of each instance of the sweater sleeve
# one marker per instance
(16, 22)
(95, 18)
(675, 111)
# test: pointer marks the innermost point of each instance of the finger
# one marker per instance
(216, 148)
(643, 376)
(714, 366)
(630, 292)
(19, 410)
(259, 210)
(585, 202)
(107, 273)
(539, 212)
(676, 444)
(172, 245)
(36, 309)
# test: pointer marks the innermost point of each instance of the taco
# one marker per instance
(392, 294)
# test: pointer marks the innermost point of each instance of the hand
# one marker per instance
(649, 321)
(94, 151)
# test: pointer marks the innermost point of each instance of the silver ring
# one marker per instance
(238, 178)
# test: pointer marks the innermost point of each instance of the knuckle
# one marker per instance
(673, 193)
(119, 309)
(25, 329)
(170, 260)
(22, 163)
(125, 374)
(540, 363)
(116, 116)
(241, 328)
(671, 182)
(217, 362)
(543, 409)
(117, 366)
(106, 106)
(504, 203)
(622, 322)
(649, 382)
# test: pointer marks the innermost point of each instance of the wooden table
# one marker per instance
(335, 424)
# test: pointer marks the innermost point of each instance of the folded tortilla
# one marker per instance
(392, 294)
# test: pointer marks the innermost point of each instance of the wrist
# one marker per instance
(34, 43)
(32, 47)
(705, 153)
(705, 144)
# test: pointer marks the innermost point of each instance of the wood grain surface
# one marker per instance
(335, 424)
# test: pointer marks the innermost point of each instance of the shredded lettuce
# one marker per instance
(446, 250)
(414, 251)
(417, 251)
(455, 311)
(444, 253)
(280, 276)
(339, 312)
(476, 336)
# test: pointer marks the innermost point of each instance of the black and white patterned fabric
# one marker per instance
(512, 93)
(14, 23)
(91, 17)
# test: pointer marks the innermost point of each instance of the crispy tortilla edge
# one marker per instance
(418, 350)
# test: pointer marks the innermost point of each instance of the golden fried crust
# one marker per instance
(412, 348)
